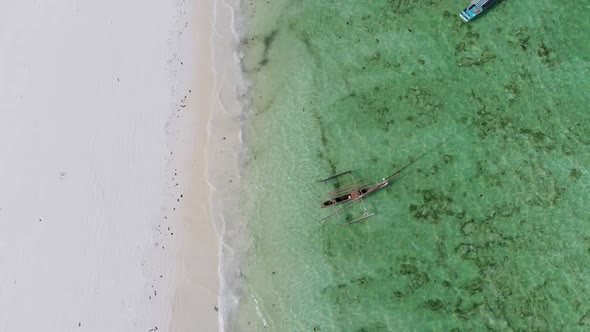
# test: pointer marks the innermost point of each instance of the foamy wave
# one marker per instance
(226, 154)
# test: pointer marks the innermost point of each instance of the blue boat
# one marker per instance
(475, 8)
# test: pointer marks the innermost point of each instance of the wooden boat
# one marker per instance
(475, 8)
(352, 193)
(349, 194)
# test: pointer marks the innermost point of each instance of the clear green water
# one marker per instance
(489, 231)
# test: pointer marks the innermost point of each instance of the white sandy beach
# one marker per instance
(105, 219)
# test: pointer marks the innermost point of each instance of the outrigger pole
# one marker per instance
(336, 211)
(422, 156)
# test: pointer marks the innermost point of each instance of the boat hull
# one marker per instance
(475, 8)
(353, 195)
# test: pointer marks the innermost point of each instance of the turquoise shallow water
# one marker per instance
(489, 231)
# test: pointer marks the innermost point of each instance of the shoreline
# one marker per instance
(225, 147)
(196, 297)
(209, 286)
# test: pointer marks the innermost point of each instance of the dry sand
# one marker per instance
(104, 201)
